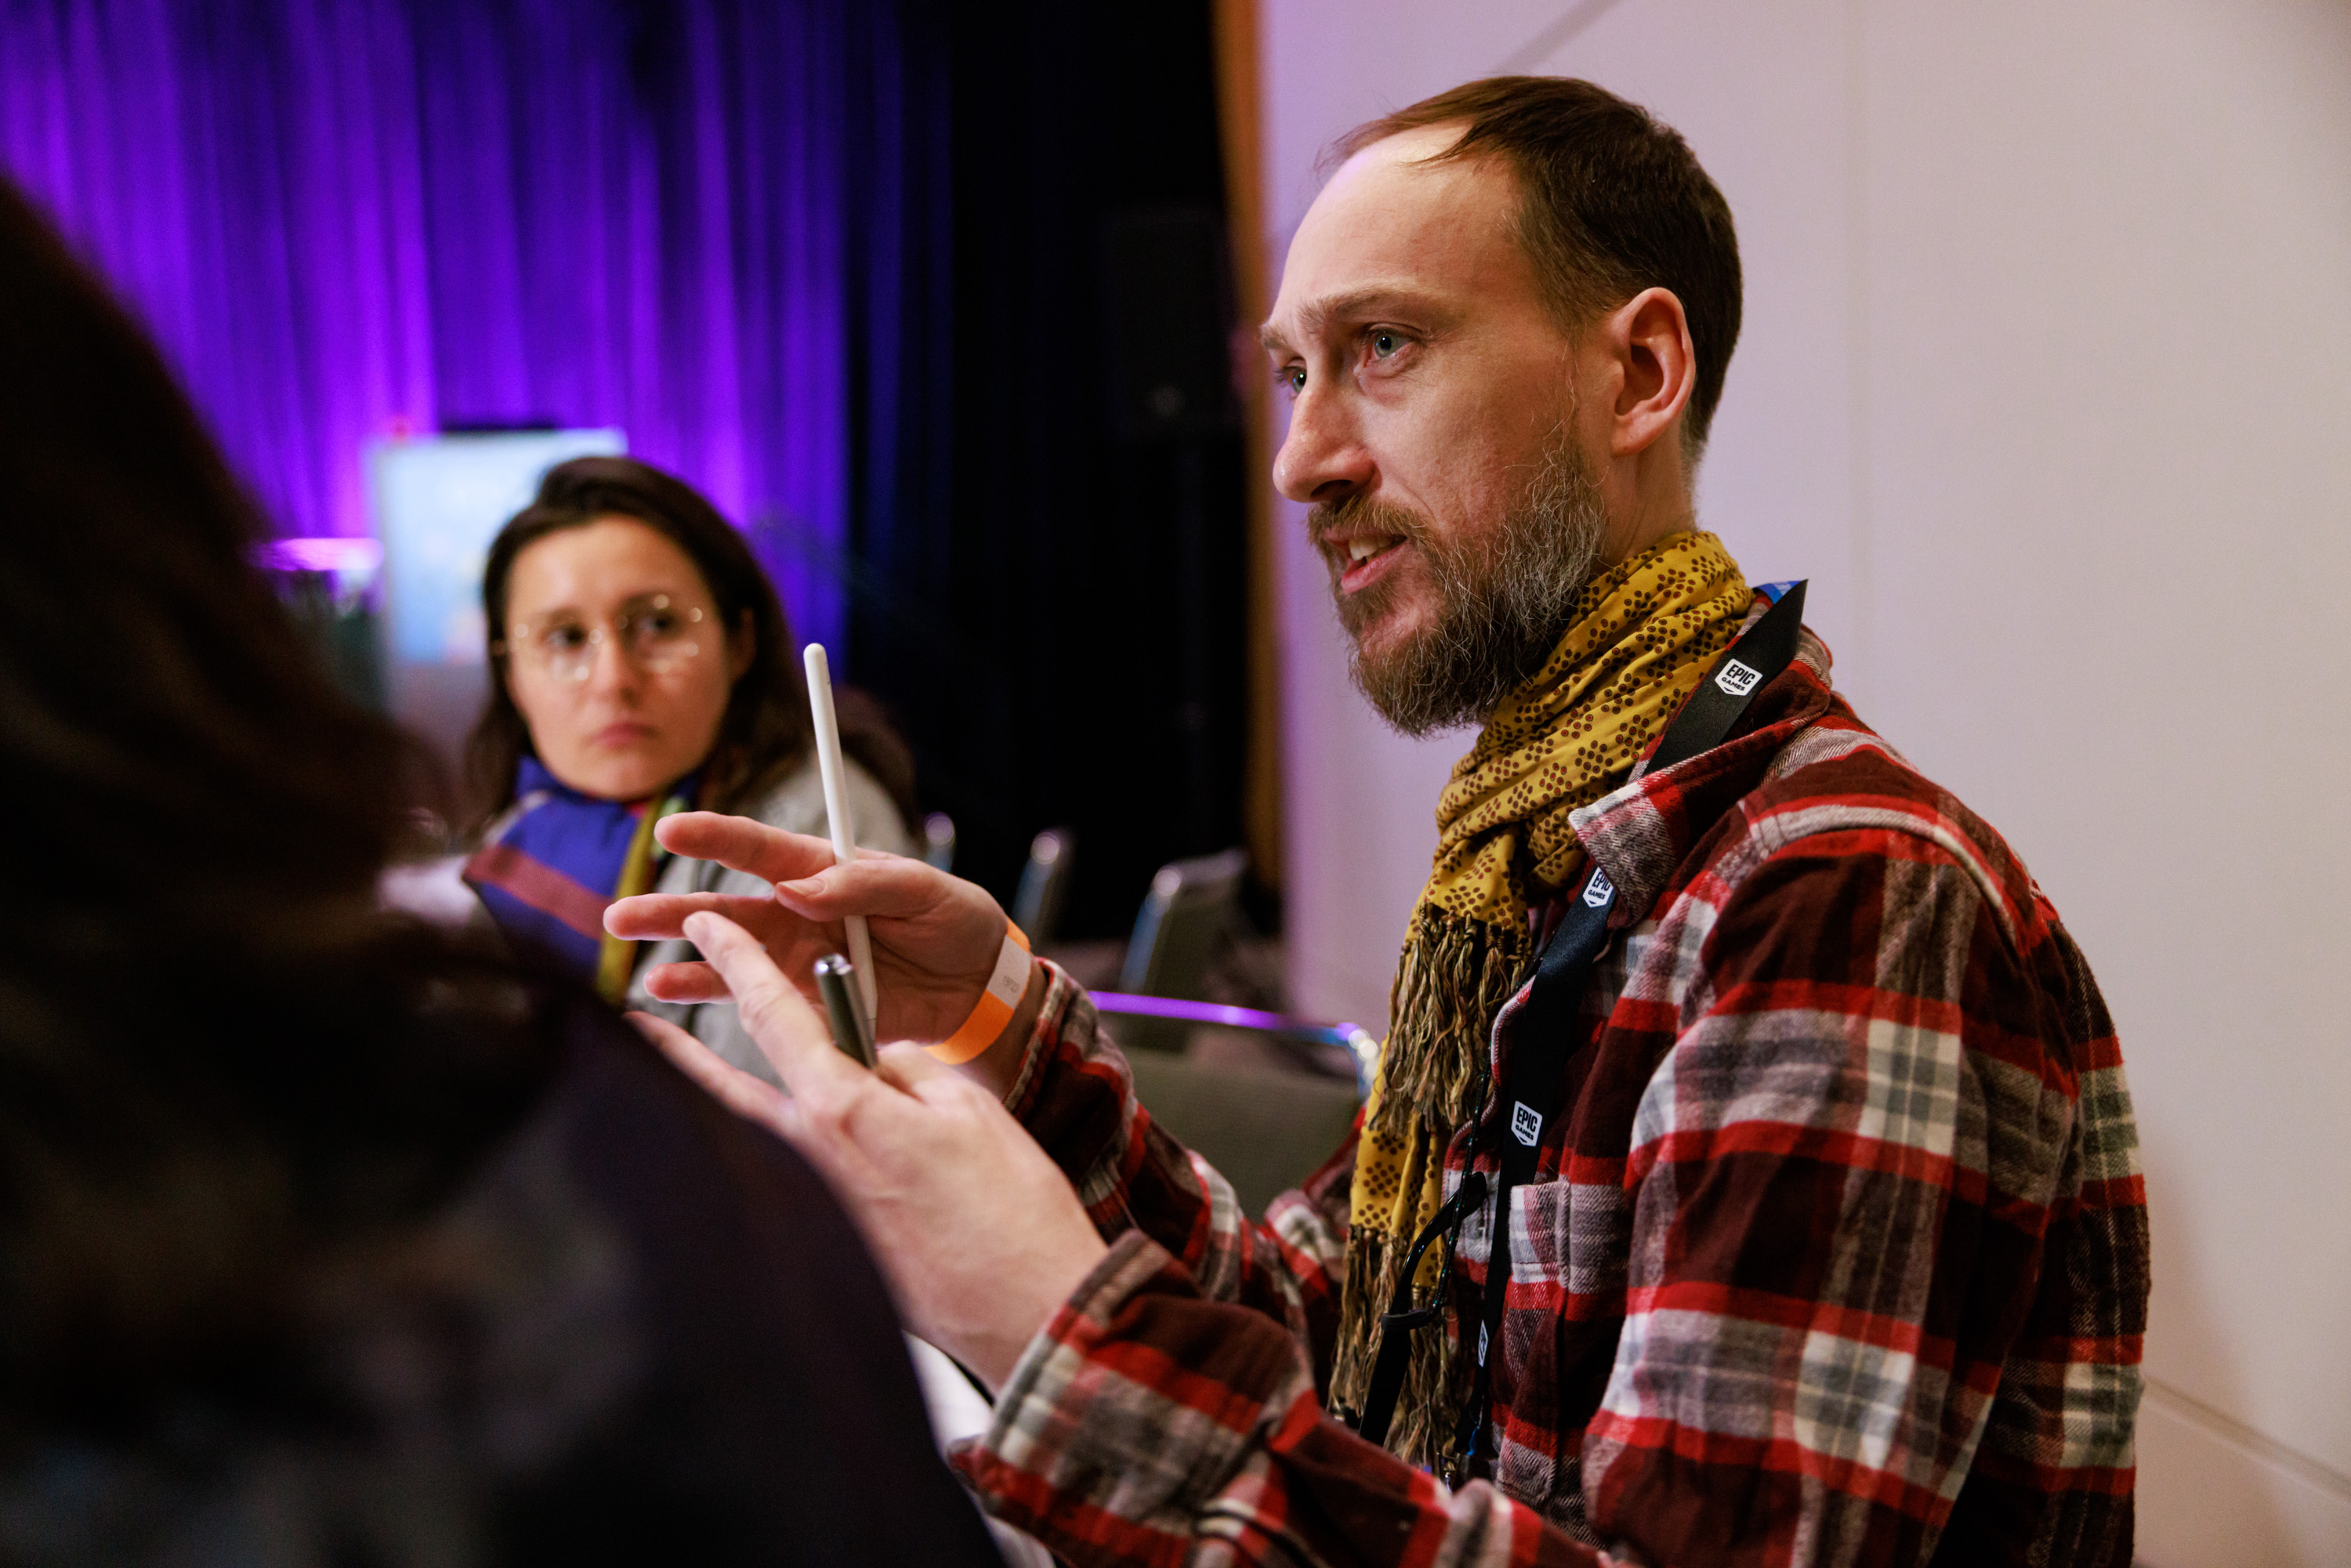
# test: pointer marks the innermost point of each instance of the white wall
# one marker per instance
(2045, 383)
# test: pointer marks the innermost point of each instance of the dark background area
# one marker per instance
(933, 299)
(1050, 564)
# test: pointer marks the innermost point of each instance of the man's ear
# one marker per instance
(741, 643)
(1646, 342)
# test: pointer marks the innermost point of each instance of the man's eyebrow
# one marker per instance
(1317, 313)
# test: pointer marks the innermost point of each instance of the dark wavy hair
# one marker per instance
(210, 1065)
(765, 732)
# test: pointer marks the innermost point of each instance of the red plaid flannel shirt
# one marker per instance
(1838, 1252)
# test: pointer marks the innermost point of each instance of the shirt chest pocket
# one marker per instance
(1570, 1243)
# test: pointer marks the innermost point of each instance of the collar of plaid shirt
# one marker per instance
(1645, 831)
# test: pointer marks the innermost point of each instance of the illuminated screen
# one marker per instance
(438, 503)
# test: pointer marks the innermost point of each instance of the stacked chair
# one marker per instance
(1263, 1097)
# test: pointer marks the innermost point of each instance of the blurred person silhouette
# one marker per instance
(643, 665)
(327, 1234)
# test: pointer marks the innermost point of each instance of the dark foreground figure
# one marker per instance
(323, 1239)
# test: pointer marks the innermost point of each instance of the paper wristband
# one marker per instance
(996, 1003)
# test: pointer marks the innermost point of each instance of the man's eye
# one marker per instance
(564, 639)
(1385, 345)
(1294, 379)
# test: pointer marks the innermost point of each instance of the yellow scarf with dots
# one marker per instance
(1640, 638)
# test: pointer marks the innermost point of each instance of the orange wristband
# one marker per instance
(994, 1010)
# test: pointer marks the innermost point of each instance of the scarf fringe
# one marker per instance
(1457, 974)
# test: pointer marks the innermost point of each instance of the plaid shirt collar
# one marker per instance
(1640, 832)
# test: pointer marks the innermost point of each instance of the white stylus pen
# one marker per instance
(836, 811)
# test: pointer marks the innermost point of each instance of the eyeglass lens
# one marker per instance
(653, 632)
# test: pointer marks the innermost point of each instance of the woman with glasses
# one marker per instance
(643, 666)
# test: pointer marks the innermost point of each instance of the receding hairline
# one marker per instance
(1345, 149)
(1611, 200)
(1330, 166)
(1373, 133)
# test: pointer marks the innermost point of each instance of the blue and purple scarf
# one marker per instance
(559, 858)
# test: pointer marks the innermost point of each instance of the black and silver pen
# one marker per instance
(836, 981)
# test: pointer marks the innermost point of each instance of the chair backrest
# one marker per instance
(1044, 885)
(1344, 1049)
(1263, 1132)
(1188, 912)
(939, 841)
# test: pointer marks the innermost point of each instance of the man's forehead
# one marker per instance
(1393, 222)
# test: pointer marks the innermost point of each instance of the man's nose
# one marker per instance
(1324, 457)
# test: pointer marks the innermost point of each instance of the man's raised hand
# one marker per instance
(979, 1229)
(935, 937)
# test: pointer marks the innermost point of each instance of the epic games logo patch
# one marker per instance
(1737, 679)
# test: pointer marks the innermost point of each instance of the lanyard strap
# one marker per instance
(1534, 1075)
(1537, 1069)
(1398, 1321)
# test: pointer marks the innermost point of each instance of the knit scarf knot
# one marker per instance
(1639, 639)
(554, 863)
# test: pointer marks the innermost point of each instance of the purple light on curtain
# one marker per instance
(350, 219)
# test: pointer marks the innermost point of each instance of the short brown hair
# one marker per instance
(1615, 203)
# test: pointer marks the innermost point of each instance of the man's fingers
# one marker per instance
(742, 844)
(885, 886)
(660, 917)
(908, 1067)
(772, 1012)
(682, 983)
(732, 1087)
(695, 982)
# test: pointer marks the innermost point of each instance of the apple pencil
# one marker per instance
(836, 811)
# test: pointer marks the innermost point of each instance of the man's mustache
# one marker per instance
(1361, 514)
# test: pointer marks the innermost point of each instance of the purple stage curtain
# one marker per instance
(351, 218)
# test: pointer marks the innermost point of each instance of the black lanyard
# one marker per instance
(1545, 1031)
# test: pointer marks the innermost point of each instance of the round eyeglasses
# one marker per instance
(652, 631)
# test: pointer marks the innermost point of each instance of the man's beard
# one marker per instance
(1503, 596)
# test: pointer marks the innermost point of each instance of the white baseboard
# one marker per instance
(2214, 1493)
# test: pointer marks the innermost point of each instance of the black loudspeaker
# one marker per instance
(1170, 296)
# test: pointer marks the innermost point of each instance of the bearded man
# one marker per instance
(1751, 1176)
